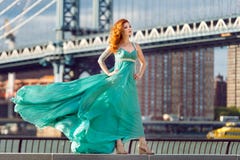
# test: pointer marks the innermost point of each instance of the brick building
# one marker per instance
(220, 96)
(233, 76)
(178, 82)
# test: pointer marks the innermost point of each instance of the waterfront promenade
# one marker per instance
(49, 156)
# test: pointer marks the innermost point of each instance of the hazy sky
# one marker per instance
(220, 61)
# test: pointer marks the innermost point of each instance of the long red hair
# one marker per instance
(116, 35)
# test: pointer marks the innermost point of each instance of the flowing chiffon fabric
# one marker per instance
(93, 112)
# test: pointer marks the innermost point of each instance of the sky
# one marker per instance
(141, 13)
(220, 61)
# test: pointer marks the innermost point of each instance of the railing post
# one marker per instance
(20, 145)
(228, 145)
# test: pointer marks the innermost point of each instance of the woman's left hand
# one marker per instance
(137, 76)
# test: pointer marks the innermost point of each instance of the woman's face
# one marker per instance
(127, 29)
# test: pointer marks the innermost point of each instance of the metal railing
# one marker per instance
(34, 145)
(159, 146)
(190, 146)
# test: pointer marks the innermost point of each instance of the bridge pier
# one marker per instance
(61, 66)
(58, 70)
(58, 64)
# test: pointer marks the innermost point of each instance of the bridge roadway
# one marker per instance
(205, 33)
(12, 156)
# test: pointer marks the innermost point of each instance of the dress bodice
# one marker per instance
(123, 54)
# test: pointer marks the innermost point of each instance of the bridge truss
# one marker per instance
(215, 33)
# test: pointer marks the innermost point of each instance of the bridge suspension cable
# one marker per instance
(8, 7)
(21, 14)
(27, 4)
(29, 19)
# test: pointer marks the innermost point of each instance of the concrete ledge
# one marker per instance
(195, 157)
(27, 156)
(53, 156)
(98, 157)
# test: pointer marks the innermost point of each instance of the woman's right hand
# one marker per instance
(112, 73)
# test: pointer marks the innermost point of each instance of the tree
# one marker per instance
(226, 111)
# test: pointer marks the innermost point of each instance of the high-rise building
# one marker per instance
(220, 96)
(178, 82)
(233, 76)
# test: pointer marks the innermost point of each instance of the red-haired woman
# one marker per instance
(126, 53)
(97, 113)
(123, 75)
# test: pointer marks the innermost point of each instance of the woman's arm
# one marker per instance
(142, 61)
(101, 62)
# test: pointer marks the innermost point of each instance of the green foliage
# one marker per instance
(226, 111)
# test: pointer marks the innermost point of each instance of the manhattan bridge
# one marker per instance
(47, 41)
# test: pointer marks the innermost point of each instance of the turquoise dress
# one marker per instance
(93, 112)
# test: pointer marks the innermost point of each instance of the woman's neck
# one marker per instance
(125, 41)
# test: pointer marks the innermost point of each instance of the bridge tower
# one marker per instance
(68, 20)
(102, 12)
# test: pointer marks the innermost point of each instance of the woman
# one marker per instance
(97, 113)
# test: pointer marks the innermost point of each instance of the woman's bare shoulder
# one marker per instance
(137, 46)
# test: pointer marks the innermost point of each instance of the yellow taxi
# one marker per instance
(229, 131)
